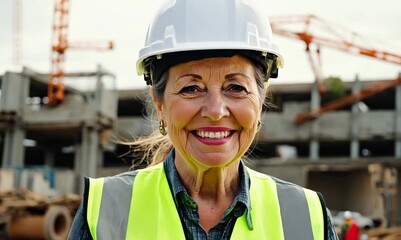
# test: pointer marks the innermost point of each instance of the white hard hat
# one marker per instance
(183, 26)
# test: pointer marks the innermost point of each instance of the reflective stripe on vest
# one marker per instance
(280, 210)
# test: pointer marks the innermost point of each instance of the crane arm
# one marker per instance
(339, 39)
(347, 100)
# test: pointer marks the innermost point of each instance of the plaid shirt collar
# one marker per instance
(243, 195)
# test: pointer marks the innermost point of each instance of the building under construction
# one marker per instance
(52, 135)
(352, 154)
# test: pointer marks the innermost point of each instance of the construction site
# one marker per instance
(340, 137)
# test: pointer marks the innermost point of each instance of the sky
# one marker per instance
(125, 23)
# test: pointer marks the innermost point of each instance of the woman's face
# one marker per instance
(211, 109)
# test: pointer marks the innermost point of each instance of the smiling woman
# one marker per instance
(211, 108)
(208, 63)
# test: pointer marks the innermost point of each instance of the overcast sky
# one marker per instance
(125, 23)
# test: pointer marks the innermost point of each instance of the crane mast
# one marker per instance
(59, 46)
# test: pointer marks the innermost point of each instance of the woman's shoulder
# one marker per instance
(275, 182)
(126, 178)
(258, 175)
(119, 180)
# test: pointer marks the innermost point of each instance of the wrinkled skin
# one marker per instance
(218, 97)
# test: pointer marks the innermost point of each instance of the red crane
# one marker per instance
(60, 44)
(338, 38)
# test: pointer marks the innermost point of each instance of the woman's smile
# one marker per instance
(211, 108)
(213, 135)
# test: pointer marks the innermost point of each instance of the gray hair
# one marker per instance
(153, 149)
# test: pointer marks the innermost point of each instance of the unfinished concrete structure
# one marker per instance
(71, 134)
(352, 155)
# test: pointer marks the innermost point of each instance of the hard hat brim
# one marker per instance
(149, 52)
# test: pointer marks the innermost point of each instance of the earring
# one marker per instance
(259, 125)
(162, 129)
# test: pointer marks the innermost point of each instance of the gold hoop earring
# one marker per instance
(259, 125)
(162, 129)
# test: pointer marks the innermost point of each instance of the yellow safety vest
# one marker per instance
(120, 207)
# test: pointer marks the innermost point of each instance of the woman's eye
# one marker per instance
(191, 90)
(237, 88)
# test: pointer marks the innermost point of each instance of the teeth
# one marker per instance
(214, 135)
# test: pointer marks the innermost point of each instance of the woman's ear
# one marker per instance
(158, 104)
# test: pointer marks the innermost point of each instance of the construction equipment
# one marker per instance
(339, 38)
(60, 44)
(347, 100)
(47, 218)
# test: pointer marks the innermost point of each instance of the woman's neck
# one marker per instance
(213, 189)
(211, 184)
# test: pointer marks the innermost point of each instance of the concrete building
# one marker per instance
(69, 135)
(351, 155)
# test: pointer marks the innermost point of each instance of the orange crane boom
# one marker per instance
(347, 100)
(337, 38)
(340, 39)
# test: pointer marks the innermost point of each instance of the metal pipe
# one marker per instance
(54, 224)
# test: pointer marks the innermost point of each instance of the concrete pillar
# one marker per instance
(354, 126)
(78, 168)
(98, 91)
(378, 209)
(14, 151)
(89, 155)
(14, 90)
(398, 121)
(94, 152)
(315, 104)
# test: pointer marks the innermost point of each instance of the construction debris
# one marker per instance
(48, 218)
(384, 233)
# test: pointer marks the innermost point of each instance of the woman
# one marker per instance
(208, 63)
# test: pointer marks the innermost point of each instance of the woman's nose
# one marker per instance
(214, 107)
